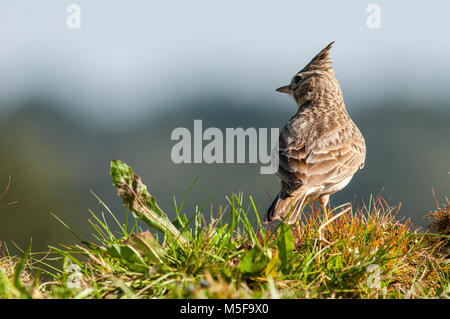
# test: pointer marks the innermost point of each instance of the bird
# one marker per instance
(320, 148)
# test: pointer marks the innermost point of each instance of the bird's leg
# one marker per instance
(323, 201)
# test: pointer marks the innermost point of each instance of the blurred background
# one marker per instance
(73, 99)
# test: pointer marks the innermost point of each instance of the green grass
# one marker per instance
(366, 252)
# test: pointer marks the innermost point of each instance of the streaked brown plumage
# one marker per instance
(320, 148)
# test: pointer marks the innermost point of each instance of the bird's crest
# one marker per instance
(321, 62)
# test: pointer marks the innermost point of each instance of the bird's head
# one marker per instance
(314, 79)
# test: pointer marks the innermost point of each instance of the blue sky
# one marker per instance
(135, 55)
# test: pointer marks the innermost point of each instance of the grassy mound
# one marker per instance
(364, 252)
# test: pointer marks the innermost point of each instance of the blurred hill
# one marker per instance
(55, 157)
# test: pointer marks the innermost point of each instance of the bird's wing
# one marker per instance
(336, 155)
(293, 151)
(319, 156)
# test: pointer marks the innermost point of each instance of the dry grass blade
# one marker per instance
(6, 191)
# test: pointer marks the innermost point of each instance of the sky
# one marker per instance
(131, 56)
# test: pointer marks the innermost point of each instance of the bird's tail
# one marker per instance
(282, 207)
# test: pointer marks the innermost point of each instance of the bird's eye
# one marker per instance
(297, 79)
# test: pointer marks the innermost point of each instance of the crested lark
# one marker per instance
(320, 148)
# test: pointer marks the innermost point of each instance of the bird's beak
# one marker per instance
(284, 89)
